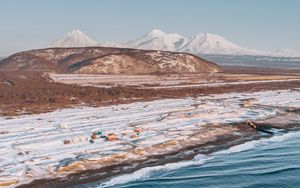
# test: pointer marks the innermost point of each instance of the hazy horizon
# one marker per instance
(259, 24)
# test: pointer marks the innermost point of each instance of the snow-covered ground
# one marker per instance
(220, 84)
(32, 146)
(167, 81)
(109, 80)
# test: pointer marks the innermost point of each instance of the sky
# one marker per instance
(257, 24)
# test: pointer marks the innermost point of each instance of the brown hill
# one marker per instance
(107, 60)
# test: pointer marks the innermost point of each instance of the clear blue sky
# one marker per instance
(260, 24)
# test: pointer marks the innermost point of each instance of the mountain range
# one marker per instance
(199, 44)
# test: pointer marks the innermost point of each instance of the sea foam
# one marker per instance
(148, 171)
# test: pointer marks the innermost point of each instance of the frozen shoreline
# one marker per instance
(35, 150)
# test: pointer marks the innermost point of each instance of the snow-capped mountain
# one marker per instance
(207, 43)
(201, 43)
(158, 40)
(74, 38)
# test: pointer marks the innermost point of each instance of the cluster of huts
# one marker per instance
(100, 135)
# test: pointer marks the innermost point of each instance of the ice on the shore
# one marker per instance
(33, 146)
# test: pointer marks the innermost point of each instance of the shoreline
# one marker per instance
(173, 130)
(221, 142)
(104, 173)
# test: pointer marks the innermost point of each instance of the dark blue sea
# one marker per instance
(269, 162)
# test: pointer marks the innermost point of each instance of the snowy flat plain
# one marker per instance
(168, 81)
(32, 146)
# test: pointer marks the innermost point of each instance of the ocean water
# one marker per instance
(269, 162)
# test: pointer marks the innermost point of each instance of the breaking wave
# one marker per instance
(148, 171)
